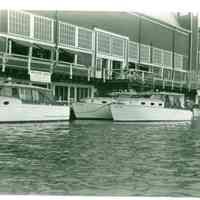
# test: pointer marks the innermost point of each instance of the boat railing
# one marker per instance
(144, 76)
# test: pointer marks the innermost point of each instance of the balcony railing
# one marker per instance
(110, 44)
(75, 37)
(139, 75)
(30, 26)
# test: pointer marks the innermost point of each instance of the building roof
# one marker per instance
(169, 18)
(166, 17)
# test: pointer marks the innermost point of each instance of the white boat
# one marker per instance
(93, 108)
(26, 103)
(151, 107)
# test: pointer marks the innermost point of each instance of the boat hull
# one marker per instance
(92, 111)
(122, 112)
(33, 113)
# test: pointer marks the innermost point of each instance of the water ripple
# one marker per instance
(100, 158)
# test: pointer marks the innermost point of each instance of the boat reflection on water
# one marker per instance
(196, 118)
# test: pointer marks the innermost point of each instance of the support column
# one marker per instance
(29, 59)
(68, 95)
(75, 59)
(5, 57)
(92, 92)
(75, 94)
(52, 61)
(70, 75)
(9, 47)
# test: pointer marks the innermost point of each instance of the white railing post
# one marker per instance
(9, 47)
(142, 76)
(75, 94)
(104, 75)
(52, 31)
(8, 21)
(4, 59)
(29, 59)
(31, 26)
(163, 83)
(89, 71)
(68, 95)
(75, 59)
(76, 37)
(70, 71)
(4, 62)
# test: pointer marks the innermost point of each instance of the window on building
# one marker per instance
(143, 68)
(99, 64)
(84, 59)
(116, 64)
(131, 65)
(71, 92)
(144, 53)
(41, 53)
(66, 56)
(2, 44)
(19, 49)
(133, 51)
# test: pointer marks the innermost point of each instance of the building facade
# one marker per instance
(75, 52)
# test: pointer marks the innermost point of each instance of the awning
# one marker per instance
(23, 43)
(31, 44)
(41, 46)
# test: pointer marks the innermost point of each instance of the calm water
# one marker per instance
(100, 158)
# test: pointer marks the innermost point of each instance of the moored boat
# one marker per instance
(26, 103)
(161, 106)
(93, 108)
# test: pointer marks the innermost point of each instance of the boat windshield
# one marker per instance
(9, 92)
(32, 95)
(170, 100)
(28, 95)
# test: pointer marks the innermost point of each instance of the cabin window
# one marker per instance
(45, 97)
(152, 104)
(35, 96)
(160, 104)
(25, 94)
(142, 103)
(6, 91)
(15, 92)
(90, 92)
(104, 102)
(1, 92)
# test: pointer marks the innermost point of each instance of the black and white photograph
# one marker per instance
(99, 102)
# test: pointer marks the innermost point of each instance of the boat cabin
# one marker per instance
(151, 99)
(97, 100)
(26, 93)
